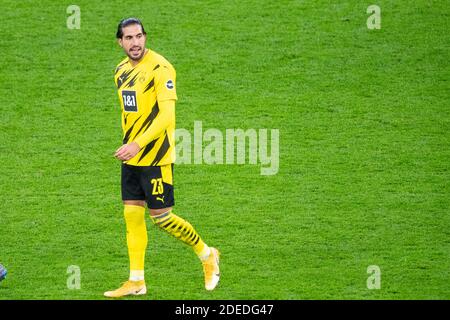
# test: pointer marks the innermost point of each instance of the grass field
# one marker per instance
(364, 120)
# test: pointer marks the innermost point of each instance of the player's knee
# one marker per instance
(134, 216)
(158, 213)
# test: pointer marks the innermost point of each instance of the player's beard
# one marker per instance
(134, 57)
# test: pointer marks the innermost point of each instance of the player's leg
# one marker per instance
(160, 199)
(134, 214)
(180, 229)
(183, 230)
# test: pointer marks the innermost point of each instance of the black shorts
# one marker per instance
(152, 184)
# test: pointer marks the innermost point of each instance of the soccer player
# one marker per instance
(147, 92)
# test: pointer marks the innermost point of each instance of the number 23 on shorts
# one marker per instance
(158, 187)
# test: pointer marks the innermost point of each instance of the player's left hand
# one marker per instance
(127, 151)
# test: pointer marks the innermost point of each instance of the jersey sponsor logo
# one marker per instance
(169, 84)
(129, 101)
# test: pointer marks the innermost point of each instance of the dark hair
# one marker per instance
(125, 23)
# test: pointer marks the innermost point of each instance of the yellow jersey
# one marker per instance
(140, 88)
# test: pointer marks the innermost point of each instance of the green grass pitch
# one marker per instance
(364, 120)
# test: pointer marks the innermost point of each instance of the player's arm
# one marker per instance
(163, 120)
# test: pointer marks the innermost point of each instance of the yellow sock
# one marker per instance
(182, 230)
(136, 240)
